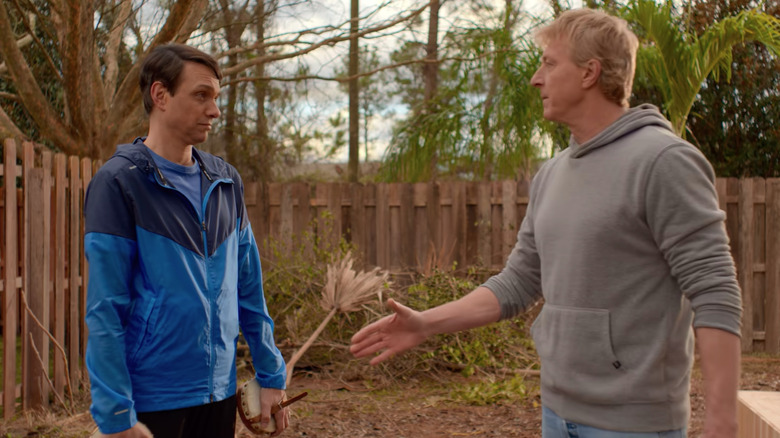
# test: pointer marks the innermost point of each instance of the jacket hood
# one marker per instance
(138, 154)
(633, 120)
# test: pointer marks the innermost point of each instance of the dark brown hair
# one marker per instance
(165, 63)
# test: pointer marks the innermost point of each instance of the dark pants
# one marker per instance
(213, 420)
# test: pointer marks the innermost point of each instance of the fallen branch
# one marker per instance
(46, 375)
(56, 344)
(345, 291)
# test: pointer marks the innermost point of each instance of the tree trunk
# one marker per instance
(263, 164)
(431, 79)
(431, 66)
(354, 95)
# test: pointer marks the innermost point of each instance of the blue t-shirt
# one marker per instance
(184, 178)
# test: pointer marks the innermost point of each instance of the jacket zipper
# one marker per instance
(162, 181)
(212, 299)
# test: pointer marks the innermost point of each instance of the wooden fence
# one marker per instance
(395, 226)
(420, 226)
(43, 273)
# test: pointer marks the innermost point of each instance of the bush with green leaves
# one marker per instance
(293, 281)
(503, 345)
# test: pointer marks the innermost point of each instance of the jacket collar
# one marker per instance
(138, 153)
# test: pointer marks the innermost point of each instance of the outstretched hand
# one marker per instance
(391, 335)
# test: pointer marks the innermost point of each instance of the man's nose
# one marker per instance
(213, 110)
(536, 79)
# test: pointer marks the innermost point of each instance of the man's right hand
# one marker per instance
(137, 431)
(395, 333)
(407, 328)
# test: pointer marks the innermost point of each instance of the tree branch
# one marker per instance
(10, 96)
(7, 126)
(22, 42)
(57, 345)
(360, 75)
(46, 118)
(110, 59)
(127, 96)
(29, 24)
(344, 36)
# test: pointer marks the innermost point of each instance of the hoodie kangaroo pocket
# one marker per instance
(575, 348)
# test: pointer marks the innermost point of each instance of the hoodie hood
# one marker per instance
(634, 119)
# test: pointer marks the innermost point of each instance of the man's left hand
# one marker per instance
(270, 400)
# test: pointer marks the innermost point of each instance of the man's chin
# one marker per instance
(198, 139)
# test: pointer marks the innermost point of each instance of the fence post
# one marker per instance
(509, 214)
(382, 226)
(745, 265)
(10, 298)
(35, 387)
(772, 300)
(407, 215)
(58, 323)
(74, 322)
(86, 177)
(484, 209)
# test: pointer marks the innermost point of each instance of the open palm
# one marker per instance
(391, 335)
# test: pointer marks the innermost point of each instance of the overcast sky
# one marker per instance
(325, 99)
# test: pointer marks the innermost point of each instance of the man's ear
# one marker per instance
(591, 73)
(159, 95)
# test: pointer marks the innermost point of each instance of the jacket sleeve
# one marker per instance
(518, 285)
(256, 324)
(683, 215)
(110, 248)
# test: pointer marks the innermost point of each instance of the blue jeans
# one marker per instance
(554, 426)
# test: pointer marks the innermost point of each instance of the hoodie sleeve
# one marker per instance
(688, 226)
(110, 248)
(256, 324)
(518, 285)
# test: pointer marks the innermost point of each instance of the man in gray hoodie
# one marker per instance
(624, 240)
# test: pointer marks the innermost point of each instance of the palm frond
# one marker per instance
(345, 289)
(678, 61)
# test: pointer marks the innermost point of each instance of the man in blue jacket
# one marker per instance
(173, 270)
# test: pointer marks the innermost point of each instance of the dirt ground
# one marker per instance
(423, 406)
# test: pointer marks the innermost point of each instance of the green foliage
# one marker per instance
(293, 278)
(293, 281)
(501, 345)
(735, 123)
(492, 391)
(41, 59)
(485, 121)
(678, 60)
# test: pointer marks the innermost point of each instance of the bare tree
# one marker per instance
(97, 101)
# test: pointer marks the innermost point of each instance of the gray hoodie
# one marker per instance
(624, 239)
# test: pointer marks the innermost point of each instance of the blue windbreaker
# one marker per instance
(168, 286)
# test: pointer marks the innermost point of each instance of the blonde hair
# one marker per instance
(595, 35)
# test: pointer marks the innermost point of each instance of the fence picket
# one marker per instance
(10, 294)
(745, 264)
(58, 316)
(86, 177)
(74, 244)
(772, 291)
